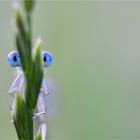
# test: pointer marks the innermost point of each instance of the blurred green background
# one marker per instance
(95, 76)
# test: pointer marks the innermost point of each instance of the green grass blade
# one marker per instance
(22, 119)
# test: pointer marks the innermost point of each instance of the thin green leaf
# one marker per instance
(20, 23)
(22, 42)
(22, 119)
(35, 81)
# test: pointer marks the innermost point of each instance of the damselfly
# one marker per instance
(18, 85)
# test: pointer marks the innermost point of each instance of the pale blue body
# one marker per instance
(18, 86)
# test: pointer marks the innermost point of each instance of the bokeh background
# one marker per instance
(95, 76)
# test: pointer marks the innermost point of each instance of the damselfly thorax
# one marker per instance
(18, 86)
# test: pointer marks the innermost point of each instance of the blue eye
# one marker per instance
(47, 58)
(13, 59)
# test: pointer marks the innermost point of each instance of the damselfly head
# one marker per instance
(13, 59)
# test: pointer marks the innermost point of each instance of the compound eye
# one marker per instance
(13, 59)
(47, 58)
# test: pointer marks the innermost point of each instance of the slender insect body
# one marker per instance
(18, 86)
(40, 114)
